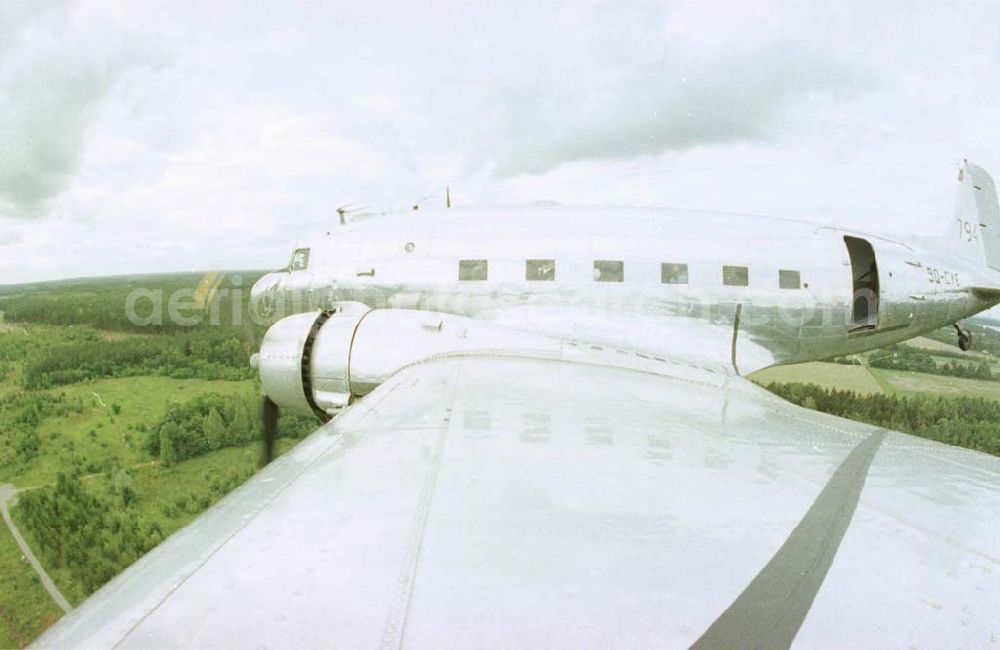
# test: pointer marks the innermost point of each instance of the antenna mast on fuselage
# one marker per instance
(347, 209)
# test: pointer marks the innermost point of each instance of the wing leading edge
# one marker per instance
(501, 501)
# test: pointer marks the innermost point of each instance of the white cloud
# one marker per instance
(52, 83)
(252, 122)
(666, 100)
(9, 238)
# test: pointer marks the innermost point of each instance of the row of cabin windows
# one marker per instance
(614, 271)
(604, 271)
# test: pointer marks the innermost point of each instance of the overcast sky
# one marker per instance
(156, 136)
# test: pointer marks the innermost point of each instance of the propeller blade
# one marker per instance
(964, 337)
(269, 421)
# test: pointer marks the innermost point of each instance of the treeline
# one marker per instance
(912, 359)
(980, 370)
(17, 346)
(210, 422)
(970, 422)
(202, 353)
(94, 537)
(103, 303)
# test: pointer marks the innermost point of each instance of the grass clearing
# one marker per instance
(931, 345)
(903, 383)
(97, 435)
(867, 381)
(826, 375)
(190, 481)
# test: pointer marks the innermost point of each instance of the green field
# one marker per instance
(99, 435)
(897, 382)
(869, 381)
(933, 345)
(826, 375)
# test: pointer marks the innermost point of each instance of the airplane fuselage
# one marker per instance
(744, 291)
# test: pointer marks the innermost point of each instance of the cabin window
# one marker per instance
(673, 273)
(789, 279)
(540, 270)
(300, 260)
(473, 270)
(609, 271)
(735, 276)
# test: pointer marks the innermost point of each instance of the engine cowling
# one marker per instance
(314, 363)
(287, 365)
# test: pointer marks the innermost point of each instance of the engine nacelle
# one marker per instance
(314, 363)
(288, 373)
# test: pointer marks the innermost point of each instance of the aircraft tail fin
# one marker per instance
(975, 230)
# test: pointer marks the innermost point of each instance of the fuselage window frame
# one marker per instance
(609, 271)
(300, 260)
(735, 276)
(673, 273)
(473, 270)
(540, 270)
(789, 279)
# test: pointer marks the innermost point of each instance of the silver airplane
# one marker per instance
(543, 437)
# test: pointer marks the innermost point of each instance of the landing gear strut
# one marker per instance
(964, 337)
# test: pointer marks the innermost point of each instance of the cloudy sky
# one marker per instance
(156, 136)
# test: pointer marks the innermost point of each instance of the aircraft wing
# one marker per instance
(490, 501)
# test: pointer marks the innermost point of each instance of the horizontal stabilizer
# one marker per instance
(987, 293)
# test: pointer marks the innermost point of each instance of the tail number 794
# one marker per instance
(968, 230)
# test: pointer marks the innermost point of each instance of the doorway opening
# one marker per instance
(864, 271)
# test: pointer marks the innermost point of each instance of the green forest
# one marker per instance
(205, 353)
(968, 422)
(103, 303)
(92, 535)
(209, 422)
